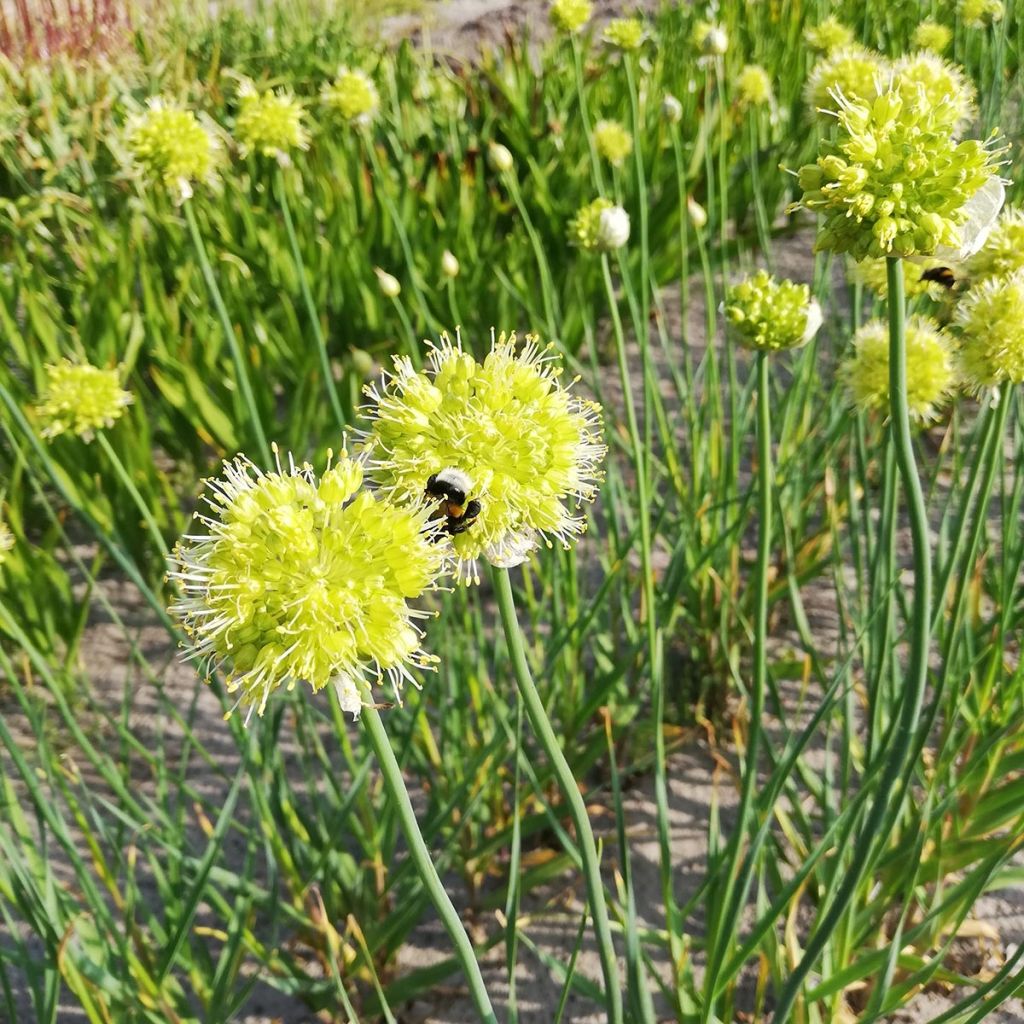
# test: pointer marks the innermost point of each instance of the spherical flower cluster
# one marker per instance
(6, 541)
(624, 33)
(895, 181)
(270, 123)
(980, 13)
(991, 321)
(874, 275)
(300, 579)
(671, 109)
(353, 95)
(525, 444)
(1003, 251)
(753, 86)
(80, 399)
(613, 141)
(710, 39)
(570, 15)
(170, 145)
(852, 71)
(931, 368)
(930, 35)
(941, 81)
(599, 226)
(828, 35)
(769, 315)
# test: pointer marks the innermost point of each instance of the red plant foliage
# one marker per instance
(44, 29)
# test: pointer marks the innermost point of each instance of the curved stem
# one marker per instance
(920, 630)
(129, 484)
(241, 371)
(395, 785)
(577, 809)
(307, 298)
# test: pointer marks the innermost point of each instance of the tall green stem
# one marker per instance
(241, 370)
(915, 681)
(577, 809)
(129, 484)
(307, 298)
(395, 784)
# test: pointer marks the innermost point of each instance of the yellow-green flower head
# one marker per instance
(852, 71)
(941, 81)
(991, 321)
(305, 579)
(6, 541)
(931, 368)
(1003, 251)
(895, 182)
(613, 141)
(769, 315)
(169, 144)
(981, 13)
(930, 35)
(270, 123)
(828, 35)
(874, 274)
(599, 226)
(523, 444)
(624, 33)
(753, 86)
(570, 15)
(711, 39)
(353, 95)
(80, 399)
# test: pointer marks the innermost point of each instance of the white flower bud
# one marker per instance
(698, 215)
(716, 42)
(671, 109)
(389, 284)
(613, 228)
(500, 157)
(449, 264)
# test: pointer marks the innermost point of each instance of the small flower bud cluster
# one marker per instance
(769, 315)
(828, 35)
(930, 35)
(991, 322)
(624, 33)
(353, 95)
(570, 15)
(599, 226)
(753, 86)
(270, 123)
(941, 81)
(613, 141)
(1003, 251)
(712, 40)
(851, 71)
(981, 13)
(80, 399)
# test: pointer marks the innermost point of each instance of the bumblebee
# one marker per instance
(452, 487)
(940, 275)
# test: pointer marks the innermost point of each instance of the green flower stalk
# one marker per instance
(980, 13)
(932, 373)
(270, 123)
(80, 399)
(930, 35)
(300, 578)
(523, 443)
(828, 35)
(850, 71)
(170, 145)
(353, 95)
(600, 226)
(768, 315)
(570, 15)
(896, 182)
(941, 82)
(624, 33)
(613, 142)
(991, 323)
(1003, 251)
(753, 87)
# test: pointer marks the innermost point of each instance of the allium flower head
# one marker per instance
(941, 81)
(991, 321)
(753, 86)
(302, 579)
(981, 13)
(828, 35)
(6, 541)
(852, 71)
(353, 95)
(270, 123)
(599, 226)
(169, 144)
(1003, 251)
(931, 368)
(874, 274)
(895, 182)
(526, 444)
(624, 33)
(613, 141)
(930, 35)
(80, 399)
(570, 15)
(712, 40)
(769, 315)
